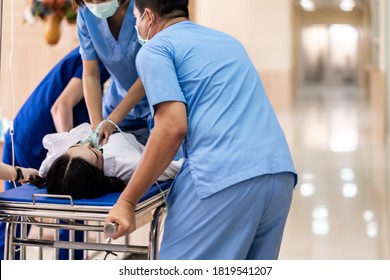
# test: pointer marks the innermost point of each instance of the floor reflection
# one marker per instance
(340, 208)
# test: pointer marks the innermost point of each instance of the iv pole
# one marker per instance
(1, 28)
(1, 43)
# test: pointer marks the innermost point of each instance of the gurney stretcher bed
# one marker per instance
(27, 205)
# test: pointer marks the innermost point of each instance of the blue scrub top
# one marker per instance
(118, 56)
(233, 132)
(34, 120)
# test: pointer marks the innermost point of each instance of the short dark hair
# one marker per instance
(80, 179)
(79, 3)
(164, 7)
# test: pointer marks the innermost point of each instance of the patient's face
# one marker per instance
(87, 152)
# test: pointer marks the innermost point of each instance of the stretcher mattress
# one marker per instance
(26, 193)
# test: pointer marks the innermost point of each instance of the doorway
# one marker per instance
(329, 55)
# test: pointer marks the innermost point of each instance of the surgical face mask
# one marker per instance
(141, 40)
(103, 10)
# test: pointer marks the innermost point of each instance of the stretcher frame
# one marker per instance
(30, 206)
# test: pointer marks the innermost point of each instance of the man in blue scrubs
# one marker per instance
(232, 196)
(106, 33)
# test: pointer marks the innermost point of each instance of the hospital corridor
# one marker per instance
(325, 65)
(340, 208)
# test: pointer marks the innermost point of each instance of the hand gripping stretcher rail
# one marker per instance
(27, 205)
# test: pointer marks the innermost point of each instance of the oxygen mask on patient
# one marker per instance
(92, 138)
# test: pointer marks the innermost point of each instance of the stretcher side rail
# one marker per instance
(68, 212)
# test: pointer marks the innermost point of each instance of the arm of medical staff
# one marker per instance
(62, 109)
(92, 91)
(133, 96)
(9, 173)
(170, 128)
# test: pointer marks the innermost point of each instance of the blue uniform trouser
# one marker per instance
(244, 221)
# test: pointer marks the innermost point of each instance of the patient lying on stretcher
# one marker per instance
(76, 167)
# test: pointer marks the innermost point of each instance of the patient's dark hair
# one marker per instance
(164, 7)
(80, 179)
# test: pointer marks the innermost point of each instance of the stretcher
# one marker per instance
(28, 206)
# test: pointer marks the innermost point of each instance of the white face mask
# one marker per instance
(103, 10)
(141, 40)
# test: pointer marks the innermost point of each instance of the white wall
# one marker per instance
(387, 24)
(382, 35)
(32, 57)
(263, 27)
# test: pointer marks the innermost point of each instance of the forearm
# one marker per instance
(62, 109)
(19, 174)
(62, 117)
(92, 91)
(133, 96)
(159, 153)
(7, 172)
(93, 100)
(162, 146)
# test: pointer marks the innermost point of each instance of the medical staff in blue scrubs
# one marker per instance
(232, 196)
(34, 120)
(106, 33)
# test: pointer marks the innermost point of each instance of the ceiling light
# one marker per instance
(347, 5)
(307, 5)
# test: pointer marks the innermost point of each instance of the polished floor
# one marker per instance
(340, 208)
